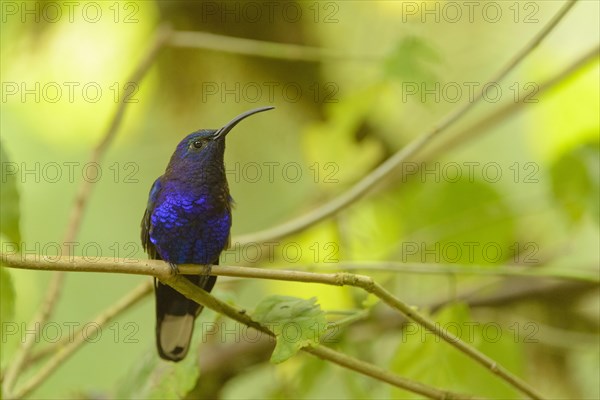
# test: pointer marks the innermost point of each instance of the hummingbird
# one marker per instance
(188, 221)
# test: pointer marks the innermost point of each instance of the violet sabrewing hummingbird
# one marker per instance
(188, 221)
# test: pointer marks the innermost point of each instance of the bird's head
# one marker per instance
(204, 149)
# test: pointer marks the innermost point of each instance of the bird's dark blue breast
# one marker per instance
(189, 227)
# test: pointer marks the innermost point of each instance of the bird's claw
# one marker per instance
(205, 274)
(174, 269)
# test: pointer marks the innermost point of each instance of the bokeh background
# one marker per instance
(524, 181)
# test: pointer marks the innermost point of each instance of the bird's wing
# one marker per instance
(146, 222)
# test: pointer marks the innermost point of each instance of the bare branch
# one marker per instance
(101, 320)
(162, 270)
(387, 167)
(500, 114)
(564, 273)
(191, 291)
(260, 48)
(66, 348)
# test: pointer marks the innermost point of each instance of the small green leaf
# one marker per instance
(9, 198)
(370, 301)
(408, 61)
(575, 181)
(153, 378)
(7, 296)
(452, 216)
(137, 380)
(295, 322)
(426, 358)
(178, 381)
(334, 144)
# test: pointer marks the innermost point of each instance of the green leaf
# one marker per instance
(179, 380)
(408, 61)
(153, 378)
(295, 322)
(584, 369)
(9, 198)
(575, 181)
(7, 296)
(374, 227)
(137, 380)
(313, 369)
(424, 357)
(464, 221)
(332, 145)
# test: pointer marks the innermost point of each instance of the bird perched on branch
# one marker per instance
(188, 221)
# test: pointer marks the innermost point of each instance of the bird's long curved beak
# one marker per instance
(231, 124)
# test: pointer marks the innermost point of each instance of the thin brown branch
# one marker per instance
(564, 273)
(387, 167)
(326, 353)
(191, 291)
(500, 114)
(260, 48)
(66, 348)
(215, 358)
(101, 320)
(162, 270)
(513, 290)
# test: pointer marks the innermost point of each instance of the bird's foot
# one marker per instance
(174, 269)
(205, 274)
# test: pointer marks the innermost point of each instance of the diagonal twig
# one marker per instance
(66, 348)
(162, 271)
(562, 273)
(500, 114)
(261, 48)
(387, 167)
(120, 306)
(191, 291)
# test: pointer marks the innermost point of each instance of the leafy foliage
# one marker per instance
(9, 227)
(412, 59)
(7, 296)
(332, 143)
(422, 356)
(444, 217)
(153, 378)
(295, 322)
(9, 198)
(575, 181)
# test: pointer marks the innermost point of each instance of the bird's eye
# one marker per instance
(198, 144)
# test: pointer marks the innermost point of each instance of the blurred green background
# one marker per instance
(389, 71)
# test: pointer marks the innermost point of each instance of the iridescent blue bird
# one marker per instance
(187, 221)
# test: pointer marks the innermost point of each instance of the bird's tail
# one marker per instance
(175, 315)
